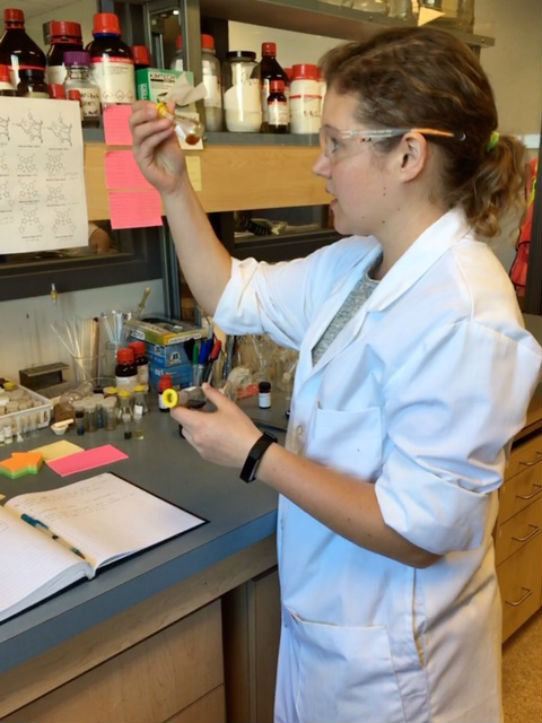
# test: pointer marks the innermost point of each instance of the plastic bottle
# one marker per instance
(305, 99)
(125, 371)
(211, 77)
(6, 87)
(269, 70)
(141, 361)
(277, 108)
(78, 78)
(178, 61)
(65, 37)
(17, 49)
(112, 66)
(165, 382)
(141, 57)
(32, 83)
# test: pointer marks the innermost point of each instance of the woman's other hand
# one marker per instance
(156, 148)
(225, 436)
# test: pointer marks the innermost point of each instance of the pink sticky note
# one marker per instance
(116, 127)
(135, 209)
(90, 458)
(122, 171)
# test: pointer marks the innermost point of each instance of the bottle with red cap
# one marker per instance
(269, 70)
(165, 382)
(277, 108)
(64, 36)
(112, 65)
(141, 361)
(78, 80)
(305, 99)
(141, 56)
(125, 371)
(56, 91)
(212, 80)
(6, 87)
(17, 49)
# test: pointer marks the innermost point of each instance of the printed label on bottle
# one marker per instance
(278, 113)
(125, 382)
(90, 103)
(115, 79)
(213, 99)
(143, 374)
(305, 113)
(265, 91)
(55, 74)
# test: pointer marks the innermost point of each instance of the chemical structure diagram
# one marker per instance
(28, 192)
(55, 194)
(31, 127)
(63, 222)
(54, 165)
(29, 222)
(61, 130)
(4, 129)
(4, 167)
(26, 165)
(5, 194)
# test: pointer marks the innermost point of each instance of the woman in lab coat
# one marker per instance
(414, 374)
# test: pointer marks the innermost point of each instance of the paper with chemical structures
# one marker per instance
(42, 181)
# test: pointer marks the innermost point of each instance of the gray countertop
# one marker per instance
(238, 515)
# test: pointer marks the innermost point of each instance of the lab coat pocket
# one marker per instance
(349, 441)
(346, 674)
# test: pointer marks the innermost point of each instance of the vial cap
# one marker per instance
(165, 382)
(264, 387)
(14, 15)
(105, 23)
(306, 71)
(179, 42)
(141, 55)
(60, 28)
(4, 74)
(269, 49)
(240, 55)
(139, 347)
(56, 91)
(76, 57)
(125, 356)
(207, 41)
(276, 86)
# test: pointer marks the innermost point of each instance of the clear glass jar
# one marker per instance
(242, 104)
(211, 77)
(110, 413)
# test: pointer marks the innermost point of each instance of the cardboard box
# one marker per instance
(167, 356)
(153, 82)
(181, 374)
(164, 333)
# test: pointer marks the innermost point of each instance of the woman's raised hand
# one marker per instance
(156, 148)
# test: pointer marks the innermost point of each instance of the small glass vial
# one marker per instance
(110, 413)
(138, 421)
(264, 395)
(77, 64)
(79, 418)
(140, 398)
(91, 416)
(125, 400)
(188, 130)
(277, 108)
(8, 433)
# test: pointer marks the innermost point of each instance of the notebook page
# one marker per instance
(32, 566)
(106, 517)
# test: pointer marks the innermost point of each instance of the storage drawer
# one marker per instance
(526, 453)
(520, 582)
(518, 530)
(519, 490)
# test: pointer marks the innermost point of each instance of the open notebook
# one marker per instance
(48, 540)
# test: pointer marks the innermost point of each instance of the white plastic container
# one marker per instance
(242, 105)
(305, 99)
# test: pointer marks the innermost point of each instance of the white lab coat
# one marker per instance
(420, 392)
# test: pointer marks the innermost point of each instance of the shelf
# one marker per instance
(317, 18)
(233, 177)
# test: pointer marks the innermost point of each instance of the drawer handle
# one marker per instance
(536, 487)
(528, 463)
(534, 530)
(527, 593)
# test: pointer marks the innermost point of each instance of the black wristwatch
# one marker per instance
(248, 473)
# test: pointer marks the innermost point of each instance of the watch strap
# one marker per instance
(248, 473)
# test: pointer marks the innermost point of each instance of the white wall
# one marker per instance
(27, 339)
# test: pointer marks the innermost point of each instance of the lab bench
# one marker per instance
(143, 641)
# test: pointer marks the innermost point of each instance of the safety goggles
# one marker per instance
(336, 144)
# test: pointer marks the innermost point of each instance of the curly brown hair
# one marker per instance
(426, 78)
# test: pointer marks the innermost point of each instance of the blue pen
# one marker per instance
(38, 524)
(204, 353)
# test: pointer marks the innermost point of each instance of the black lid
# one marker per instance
(241, 54)
(264, 387)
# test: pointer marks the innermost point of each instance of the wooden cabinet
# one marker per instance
(518, 535)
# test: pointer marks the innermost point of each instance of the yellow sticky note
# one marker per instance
(56, 450)
(193, 166)
(426, 15)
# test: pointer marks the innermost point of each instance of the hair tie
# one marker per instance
(493, 140)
